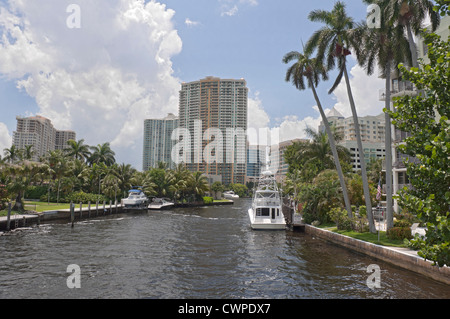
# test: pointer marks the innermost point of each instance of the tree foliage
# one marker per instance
(426, 118)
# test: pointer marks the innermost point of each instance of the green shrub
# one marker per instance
(82, 197)
(362, 211)
(208, 200)
(36, 192)
(399, 233)
(402, 223)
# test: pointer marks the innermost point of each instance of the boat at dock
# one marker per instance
(266, 212)
(230, 195)
(160, 203)
(136, 200)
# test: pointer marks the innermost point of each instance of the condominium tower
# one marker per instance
(39, 132)
(214, 113)
(372, 130)
(158, 142)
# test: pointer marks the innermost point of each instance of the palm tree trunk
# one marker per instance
(388, 147)
(412, 47)
(361, 154)
(334, 151)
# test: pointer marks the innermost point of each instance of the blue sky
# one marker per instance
(127, 61)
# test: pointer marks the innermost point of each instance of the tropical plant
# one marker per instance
(385, 47)
(78, 150)
(312, 71)
(198, 185)
(426, 118)
(102, 153)
(58, 167)
(333, 43)
(409, 15)
(12, 154)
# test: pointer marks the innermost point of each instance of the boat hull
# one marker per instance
(160, 207)
(265, 223)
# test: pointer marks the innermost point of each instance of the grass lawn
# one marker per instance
(39, 207)
(44, 206)
(368, 237)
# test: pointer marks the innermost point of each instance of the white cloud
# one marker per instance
(101, 80)
(231, 7)
(365, 91)
(289, 127)
(5, 138)
(230, 11)
(191, 23)
(257, 116)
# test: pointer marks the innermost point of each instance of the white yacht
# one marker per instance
(136, 200)
(160, 203)
(230, 195)
(266, 212)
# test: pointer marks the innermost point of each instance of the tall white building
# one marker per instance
(214, 112)
(158, 142)
(372, 130)
(40, 132)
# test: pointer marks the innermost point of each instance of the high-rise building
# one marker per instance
(158, 142)
(39, 132)
(256, 160)
(214, 113)
(372, 129)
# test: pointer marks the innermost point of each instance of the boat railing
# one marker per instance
(267, 202)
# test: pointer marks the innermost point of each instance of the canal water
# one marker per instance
(200, 253)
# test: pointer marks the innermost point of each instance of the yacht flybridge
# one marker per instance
(266, 212)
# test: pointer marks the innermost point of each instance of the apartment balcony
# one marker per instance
(400, 90)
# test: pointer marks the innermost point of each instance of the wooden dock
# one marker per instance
(294, 221)
(78, 212)
(18, 220)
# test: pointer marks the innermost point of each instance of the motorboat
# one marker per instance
(160, 203)
(266, 212)
(230, 195)
(136, 200)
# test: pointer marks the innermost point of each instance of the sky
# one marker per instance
(102, 67)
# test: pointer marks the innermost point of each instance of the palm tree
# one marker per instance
(409, 14)
(102, 153)
(12, 154)
(20, 177)
(78, 150)
(198, 184)
(386, 47)
(319, 149)
(333, 43)
(28, 152)
(180, 180)
(58, 165)
(312, 71)
(124, 173)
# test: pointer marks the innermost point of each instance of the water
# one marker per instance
(201, 253)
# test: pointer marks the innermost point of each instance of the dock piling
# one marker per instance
(72, 213)
(8, 221)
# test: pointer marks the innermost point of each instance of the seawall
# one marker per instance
(401, 257)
